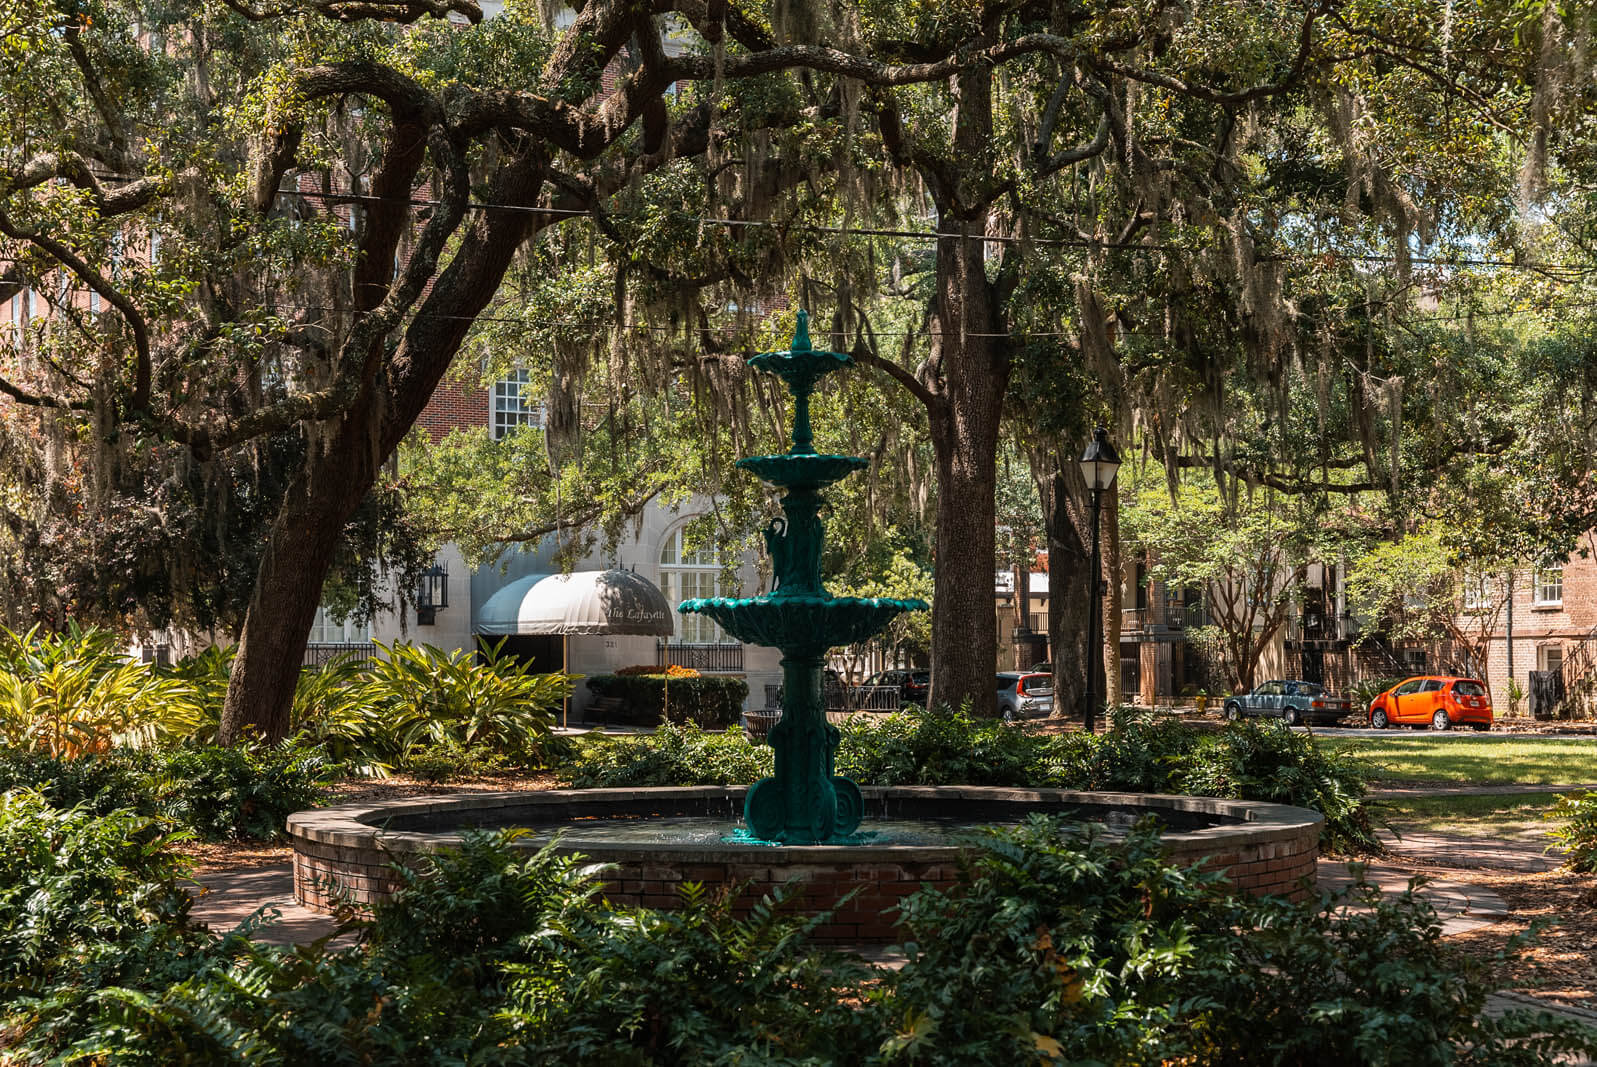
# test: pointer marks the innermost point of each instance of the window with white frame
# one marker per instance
(1477, 593)
(688, 573)
(1549, 586)
(327, 630)
(511, 409)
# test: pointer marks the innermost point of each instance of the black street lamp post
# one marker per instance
(1099, 464)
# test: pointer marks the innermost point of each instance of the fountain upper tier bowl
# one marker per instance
(802, 624)
(802, 470)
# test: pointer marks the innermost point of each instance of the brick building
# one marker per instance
(1543, 620)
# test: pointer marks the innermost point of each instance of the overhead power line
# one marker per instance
(938, 235)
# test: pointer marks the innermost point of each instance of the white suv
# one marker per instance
(1028, 695)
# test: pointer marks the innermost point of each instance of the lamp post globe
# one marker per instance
(1100, 462)
(1099, 465)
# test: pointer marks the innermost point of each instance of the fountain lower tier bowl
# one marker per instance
(803, 624)
(802, 470)
(654, 840)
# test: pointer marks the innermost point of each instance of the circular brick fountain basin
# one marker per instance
(349, 850)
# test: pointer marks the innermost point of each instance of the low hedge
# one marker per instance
(216, 794)
(707, 701)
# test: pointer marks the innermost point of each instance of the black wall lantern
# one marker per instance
(432, 594)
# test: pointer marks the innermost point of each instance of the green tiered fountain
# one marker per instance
(804, 802)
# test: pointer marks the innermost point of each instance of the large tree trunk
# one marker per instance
(1068, 518)
(965, 439)
(972, 356)
(288, 585)
(1114, 691)
(304, 537)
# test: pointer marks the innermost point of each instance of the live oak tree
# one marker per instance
(336, 201)
(273, 227)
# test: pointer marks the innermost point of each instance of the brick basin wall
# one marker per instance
(347, 852)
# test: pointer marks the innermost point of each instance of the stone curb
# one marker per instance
(360, 824)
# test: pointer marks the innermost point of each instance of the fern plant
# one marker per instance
(1577, 836)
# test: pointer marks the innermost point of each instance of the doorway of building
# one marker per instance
(541, 650)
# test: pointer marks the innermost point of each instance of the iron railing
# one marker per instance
(319, 654)
(727, 658)
(875, 698)
(1178, 615)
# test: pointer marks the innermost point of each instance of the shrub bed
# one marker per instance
(707, 701)
(1576, 837)
(673, 755)
(1059, 947)
(215, 794)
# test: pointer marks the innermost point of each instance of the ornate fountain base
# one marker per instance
(804, 802)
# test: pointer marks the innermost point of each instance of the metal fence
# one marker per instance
(863, 698)
(720, 658)
(319, 654)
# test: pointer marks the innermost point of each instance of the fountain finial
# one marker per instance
(801, 333)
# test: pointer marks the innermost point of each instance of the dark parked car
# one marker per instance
(1024, 696)
(1291, 701)
(913, 686)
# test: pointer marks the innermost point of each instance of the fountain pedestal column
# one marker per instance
(804, 801)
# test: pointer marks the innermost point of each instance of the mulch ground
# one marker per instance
(1560, 963)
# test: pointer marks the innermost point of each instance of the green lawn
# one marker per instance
(1501, 818)
(1483, 760)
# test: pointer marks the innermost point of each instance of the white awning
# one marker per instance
(500, 612)
(583, 602)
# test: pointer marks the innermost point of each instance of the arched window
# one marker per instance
(686, 574)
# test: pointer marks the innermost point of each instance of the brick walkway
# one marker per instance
(226, 898)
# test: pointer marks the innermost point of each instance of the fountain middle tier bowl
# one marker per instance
(801, 624)
(653, 840)
(794, 470)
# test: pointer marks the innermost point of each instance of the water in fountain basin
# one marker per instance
(709, 830)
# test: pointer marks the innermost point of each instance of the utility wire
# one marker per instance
(934, 235)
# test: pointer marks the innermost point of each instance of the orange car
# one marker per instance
(1439, 700)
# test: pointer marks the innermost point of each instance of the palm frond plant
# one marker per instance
(75, 693)
(427, 697)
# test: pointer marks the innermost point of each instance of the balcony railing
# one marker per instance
(1177, 616)
(715, 659)
(1315, 626)
(319, 654)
